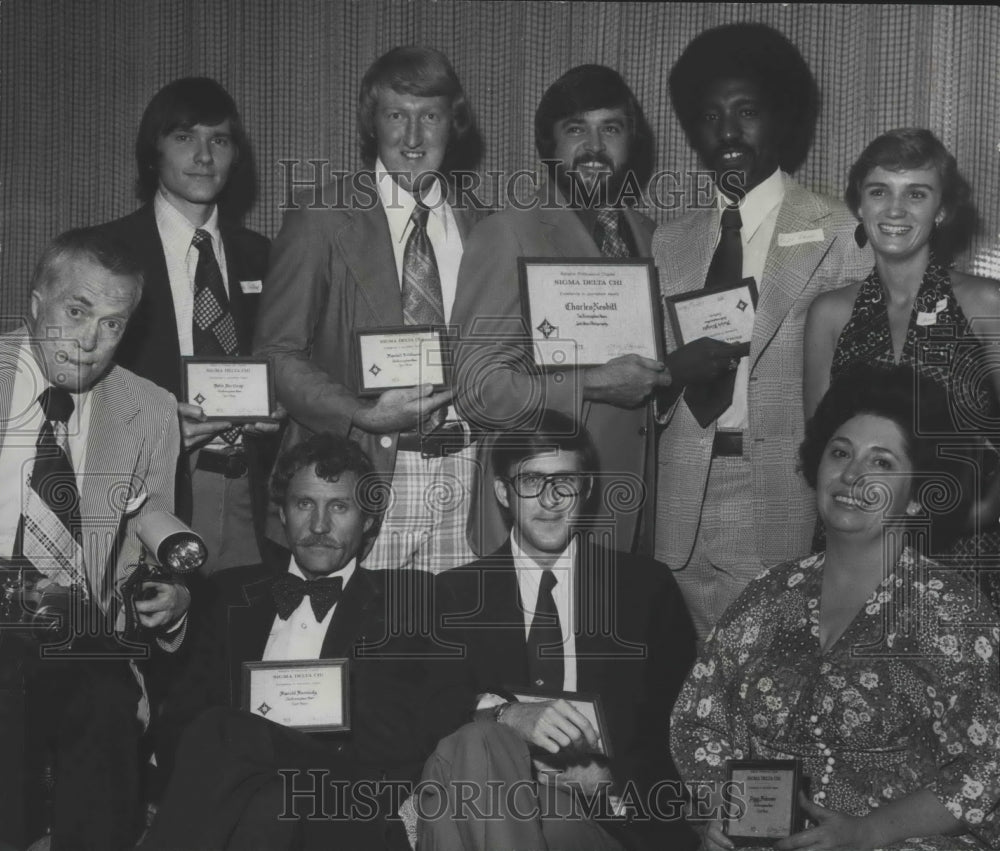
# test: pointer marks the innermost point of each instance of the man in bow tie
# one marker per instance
(226, 791)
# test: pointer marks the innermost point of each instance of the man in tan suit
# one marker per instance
(341, 264)
(729, 501)
(594, 140)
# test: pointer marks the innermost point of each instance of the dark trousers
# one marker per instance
(226, 792)
(83, 737)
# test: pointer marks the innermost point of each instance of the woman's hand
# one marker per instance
(833, 831)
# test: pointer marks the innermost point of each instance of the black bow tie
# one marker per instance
(288, 591)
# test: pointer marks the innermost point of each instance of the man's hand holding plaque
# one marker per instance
(599, 315)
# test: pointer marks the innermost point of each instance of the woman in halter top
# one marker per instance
(915, 209)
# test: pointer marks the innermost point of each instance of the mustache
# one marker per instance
(319, 541)
(598, 156)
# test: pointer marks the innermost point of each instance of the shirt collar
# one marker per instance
(398, 203)
(523, 561)
(174, 225)
(345, 573)
(758, 202)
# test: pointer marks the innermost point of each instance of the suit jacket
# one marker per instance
(634, 643)
(380, 625)
(784, 505)
(332, 273)
(493, 384)
(132, 447)
(150, 347)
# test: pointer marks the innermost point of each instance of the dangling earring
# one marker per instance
(860, 237)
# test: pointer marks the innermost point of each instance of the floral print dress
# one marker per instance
(908, 698)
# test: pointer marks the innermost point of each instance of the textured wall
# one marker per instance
(76, 76)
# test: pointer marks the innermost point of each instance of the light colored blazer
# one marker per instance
(131, 460)
(495, 388)
(332, 272)
(827, 258)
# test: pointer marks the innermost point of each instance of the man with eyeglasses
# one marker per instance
(553, 612)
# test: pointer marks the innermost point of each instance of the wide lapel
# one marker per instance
(354, 614)
(789, 269)
(248, 628)
(642, 231)
(561, 228)
(238, 302)
(594, 612)
(682, 263)
(113, 448)
(155, 319)
(10, 346)
(366, 246)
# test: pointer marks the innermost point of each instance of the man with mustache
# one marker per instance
(729, 501)
(598, 149)
(225, 791)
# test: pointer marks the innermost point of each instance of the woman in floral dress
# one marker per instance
(915, 209)
(871, 664)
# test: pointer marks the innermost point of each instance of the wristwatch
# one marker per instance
(499, 710)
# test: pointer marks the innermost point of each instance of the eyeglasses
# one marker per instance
(563, 485)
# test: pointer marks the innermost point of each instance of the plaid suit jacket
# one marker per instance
(825, 256)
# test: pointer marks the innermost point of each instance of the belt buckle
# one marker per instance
(236, 466)
(446, 440)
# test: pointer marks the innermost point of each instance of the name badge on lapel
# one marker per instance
(251, 287)
(787, 240)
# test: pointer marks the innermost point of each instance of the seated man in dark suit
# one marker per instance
(552, 612)
(226, 790)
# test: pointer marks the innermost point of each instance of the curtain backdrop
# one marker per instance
(77, 75)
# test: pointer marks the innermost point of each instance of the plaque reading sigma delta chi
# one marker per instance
(309, 695)
(238, 390)
(724, 314)
(762, 801)
(586, 311)
(399, 357)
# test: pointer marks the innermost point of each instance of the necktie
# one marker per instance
(546, 665)
(213, 330)
(708, 401)
(51, 530)
(288, 591)
(423, 303)
(608, 234)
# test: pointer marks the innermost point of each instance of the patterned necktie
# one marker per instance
(608, 234)
(213, 330)
(423, 303)
(288, 591)
(546, 665)
(51, 530)
(709, 400)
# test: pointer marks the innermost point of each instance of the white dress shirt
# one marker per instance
(302, 636)
(176, 233)
(529, 577)
(759, 213)
(17, 455)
